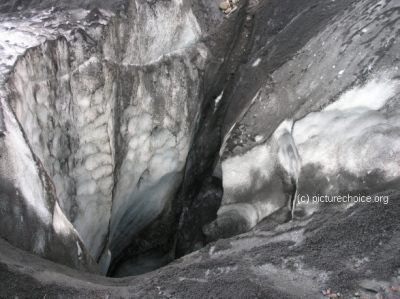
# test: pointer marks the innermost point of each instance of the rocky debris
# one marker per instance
(228, 6)
(331, 294)
(262, 264)
(224, 5)
(370, 287)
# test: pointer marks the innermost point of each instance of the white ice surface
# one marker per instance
(352, 134)
(256, 63)
(217, 101)
(251, 184)
(373, 95)
(256, 167)
(237, 171)
(25, 172)
(19, 33)
(168, 28)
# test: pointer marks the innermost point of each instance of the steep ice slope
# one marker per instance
(68, 124)
(150, 31)
(155, 132)
(109, 109)
(30, 217)
(38, 77)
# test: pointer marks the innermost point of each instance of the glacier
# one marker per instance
(136, 132)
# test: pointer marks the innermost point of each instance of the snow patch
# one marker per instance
(79, 250)
(61, 224)
(256, 63)
(217, 101)
(209, 273)
(373, 95)
(258, 138)
(352, 134)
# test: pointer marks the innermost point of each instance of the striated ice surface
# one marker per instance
(108, 103)
(25, 172)
(30, 217)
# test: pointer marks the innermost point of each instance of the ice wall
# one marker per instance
(170, 26)
(66, 114)
(109, 104)
(30, 217)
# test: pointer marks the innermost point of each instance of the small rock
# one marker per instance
(357, 294)
(224, 5)
(333, 296)
(369, 287)
(357, 265)
(379, 296)
(324, 292)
